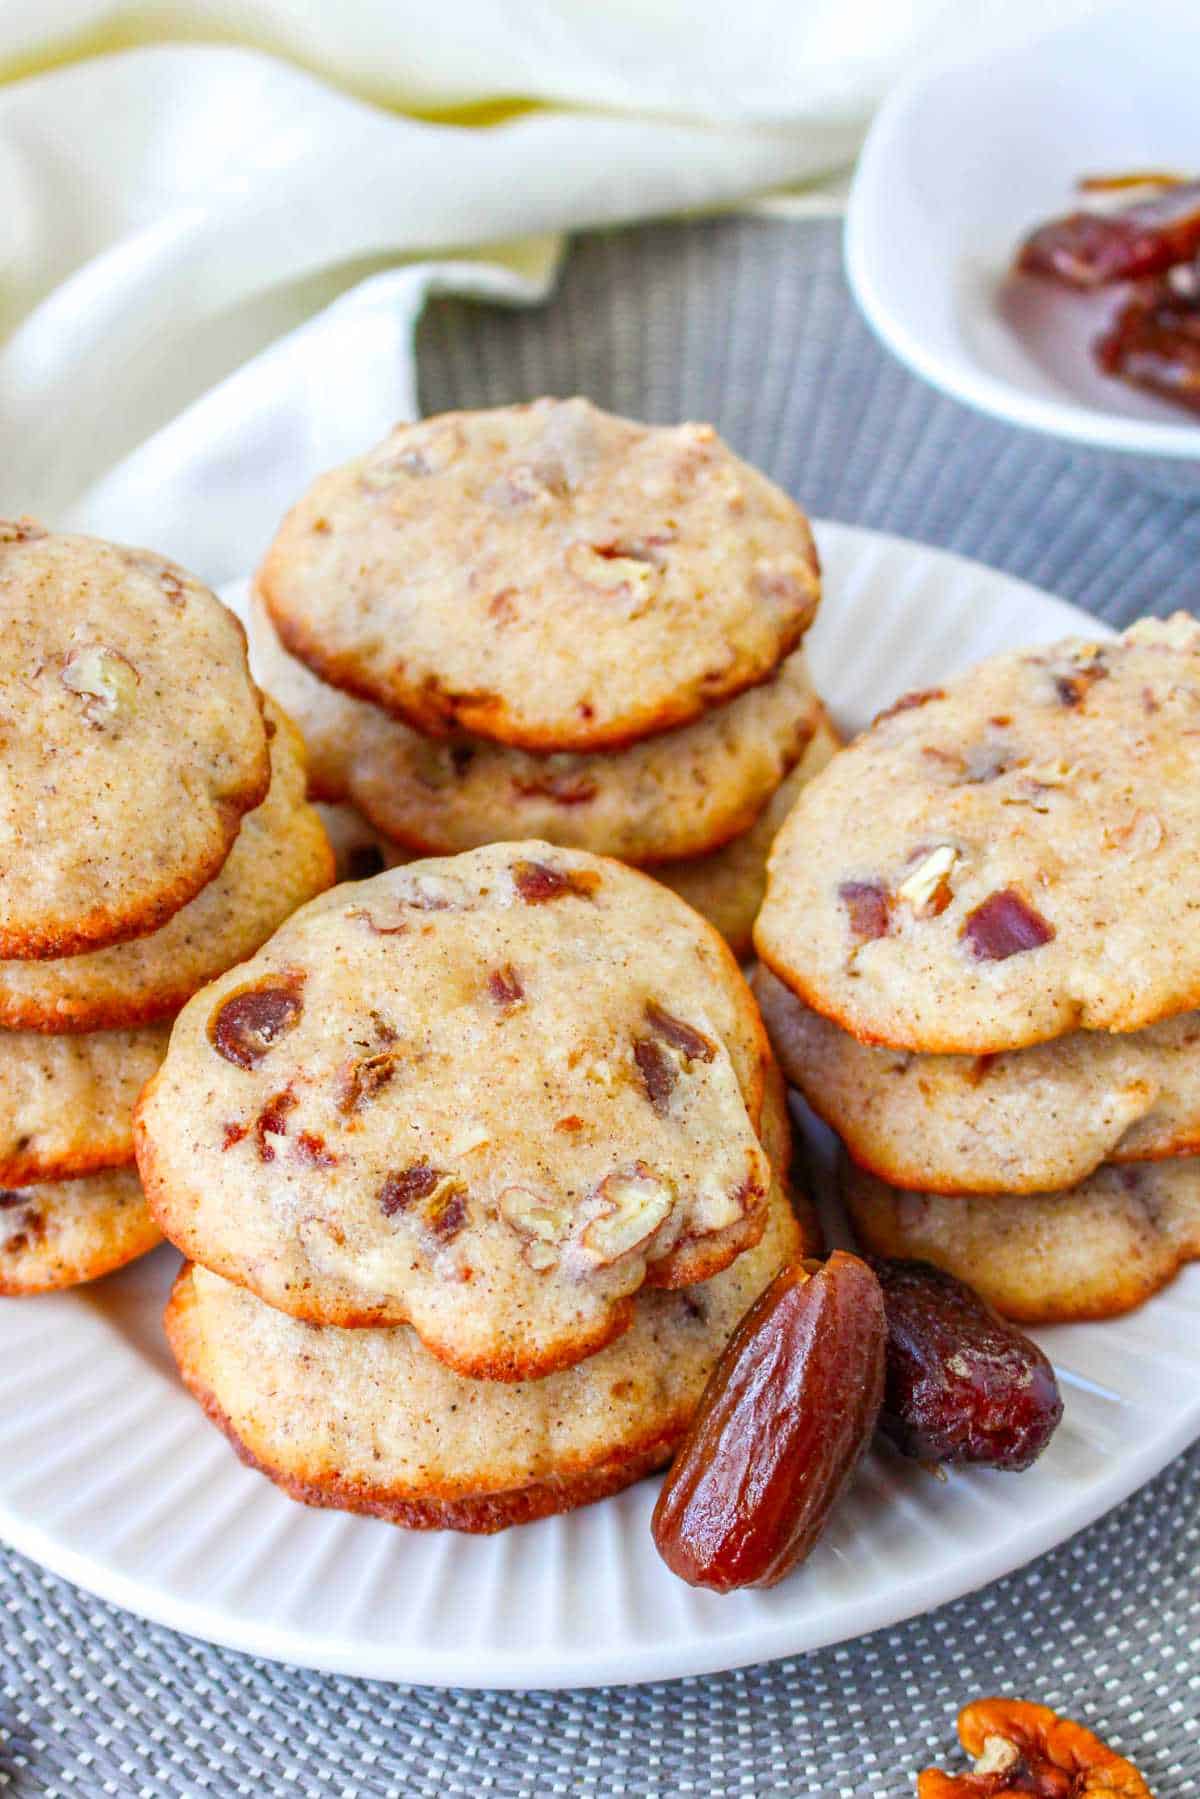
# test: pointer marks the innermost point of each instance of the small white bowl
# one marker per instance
(962, 161)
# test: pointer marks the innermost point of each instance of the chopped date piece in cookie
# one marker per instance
(505, 986)
(407, 1186)
(271, 1123)
(446, 1213)
(311, 1149)
(246, 1027)
(869, 906)
(691, 1043)
(658, 1072)
(1005, 925)
(537, 882)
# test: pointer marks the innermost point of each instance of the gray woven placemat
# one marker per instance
(665, 322)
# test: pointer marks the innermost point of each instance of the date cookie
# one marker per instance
(1093, 1251)
(1026, 1121)
(369, 1421)
(727, 886)
(66, 1103)
(131, 740)
(546, 576)
(677, 795)
(1006, 859)
(488, 1096)
(280, 859)
(61, 1233)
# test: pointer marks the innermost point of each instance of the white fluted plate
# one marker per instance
(110, 1475)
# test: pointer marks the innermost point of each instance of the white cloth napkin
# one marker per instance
(212, 258)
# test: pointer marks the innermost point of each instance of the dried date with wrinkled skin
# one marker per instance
(1022, 1748)
(963, 1385)
(1092, 249)
(1154, 341)
(784, 1420)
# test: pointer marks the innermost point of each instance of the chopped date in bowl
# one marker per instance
(1148, 249)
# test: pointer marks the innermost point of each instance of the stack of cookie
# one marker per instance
(155, 829)
(982, 968)
(544, 621)
(477, 1164)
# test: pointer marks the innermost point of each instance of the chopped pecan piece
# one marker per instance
(106, 681)
(869, 906)
(395, 928)
(543, 1224)
(248, 1024)
(927, 889)
(603, 569)
(537, 882)
(1073, 687)
(1022, 1748)
(634, 1203)
(638, 549)
(986, 762)
(1005, 925)
(360, 1081)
